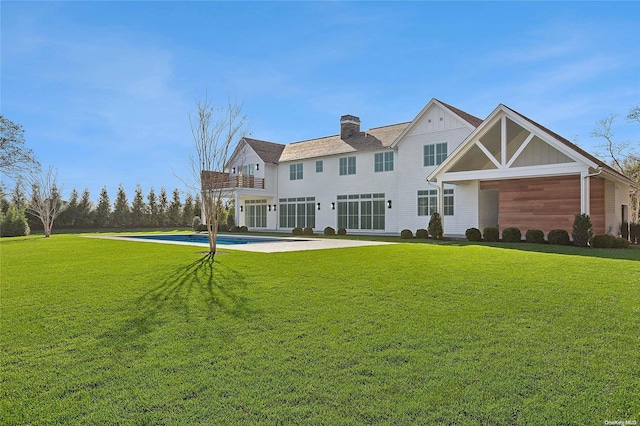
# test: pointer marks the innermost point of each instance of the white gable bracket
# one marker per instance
(488, 154)
(519, 150)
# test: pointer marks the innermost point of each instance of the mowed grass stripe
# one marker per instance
(98, 331)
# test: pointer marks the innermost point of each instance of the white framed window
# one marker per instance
(383, 162)
(256, 213)
(434, 154)
(295, 171)
(448, 202)
(319, 166)
(347, 166)
(300, 211)
(427, 202)
(361, 211)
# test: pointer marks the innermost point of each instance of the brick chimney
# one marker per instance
(349, 126)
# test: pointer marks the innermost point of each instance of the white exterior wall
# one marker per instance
(465, 210)
(615, 195)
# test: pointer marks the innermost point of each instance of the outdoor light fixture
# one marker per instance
(257, 166)
(333, 206)
(233, 170)
(274, 207)
(318, 206)
(388, 204)
(241, 208)
(269, 207)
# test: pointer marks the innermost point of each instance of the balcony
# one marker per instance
(224, 181)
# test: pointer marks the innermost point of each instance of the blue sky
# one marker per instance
(104, 89)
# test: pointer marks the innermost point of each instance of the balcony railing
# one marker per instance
(220, 180)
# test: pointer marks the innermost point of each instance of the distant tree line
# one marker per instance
(78, 211)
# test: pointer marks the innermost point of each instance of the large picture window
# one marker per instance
(299, 211)
(361, 211)
(434, 154)
(347, 166)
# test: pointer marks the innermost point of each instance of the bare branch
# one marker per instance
(46, 202)
(634, 114)
(16, 160)
(614, 151)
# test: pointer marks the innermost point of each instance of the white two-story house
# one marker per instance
(503, 171)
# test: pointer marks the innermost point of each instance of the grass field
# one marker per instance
(105, 332)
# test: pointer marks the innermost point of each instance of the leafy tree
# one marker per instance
(103, 210)
(4, 203)
(435, 226)
(163, 207)
(138, 208)
(187, 211)
(18, 197)
(121, 212)
(85, 210)
(174, 211)
(16, 160)
(46, 203)
(152, 209)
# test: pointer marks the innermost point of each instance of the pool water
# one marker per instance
(204, 238)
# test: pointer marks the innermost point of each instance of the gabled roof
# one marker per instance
(269, 152)
(471, 119)
(571, 145)
(376, 138)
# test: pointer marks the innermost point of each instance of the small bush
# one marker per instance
(624, 230)
(422, 233)
(511, 235)
(329, 231)
(435, 226)
(342, 231)
(297, 231)
(406, 234)
(603, 241)
(195, 224)
(582, 230)
(223, 227)
(473, 234)
(234, 228)
(307, 231)
(491, 234)
(621, 243)
(558, 237)
(244, 229)
(535, 236)
(634, 233)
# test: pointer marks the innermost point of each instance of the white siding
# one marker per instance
(465, 209)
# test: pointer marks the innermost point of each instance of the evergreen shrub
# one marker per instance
(491, 234)
(234, 229)
(297, 231)
(13, 223)
(558, 237)
(422, 233)
(535, 236)
(342, 231)
(582, 230)
(329, 231)
(435, 226)
(634, 233)
(511, 235)
(473, 234)
(195, 224)
(406, 234)
(243, 228)
(307, 231)
(603, 241)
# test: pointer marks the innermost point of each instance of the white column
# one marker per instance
(441, 202)
(585, 186)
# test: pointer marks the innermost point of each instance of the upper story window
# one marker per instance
(383, 162)
(319, 166)
(295, 171)
(248, 169)
(435, 154)
(347, 166)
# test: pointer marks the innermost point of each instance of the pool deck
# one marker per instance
(286, 245)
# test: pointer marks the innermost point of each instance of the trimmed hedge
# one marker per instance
(406, 234)
(243, 228)
(558, 237)
(297, 231)
(511, 235)
(621, 243)
(342, 231)
(307, 231)
(603, 241)
(329, 231)
(634, 233)
(473, 234)
(535, 236)
(422, 233)
(491, 234)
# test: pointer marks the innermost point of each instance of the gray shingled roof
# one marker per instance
(269, 152)
(376, 138)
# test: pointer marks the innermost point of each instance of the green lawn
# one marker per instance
(104, 332)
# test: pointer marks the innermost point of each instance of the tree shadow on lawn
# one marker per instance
(631, 253)
(201, 290)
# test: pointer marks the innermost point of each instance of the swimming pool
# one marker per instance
(222, 239)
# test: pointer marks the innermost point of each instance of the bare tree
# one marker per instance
(215, 132)
(16, 160)
(46, 203)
